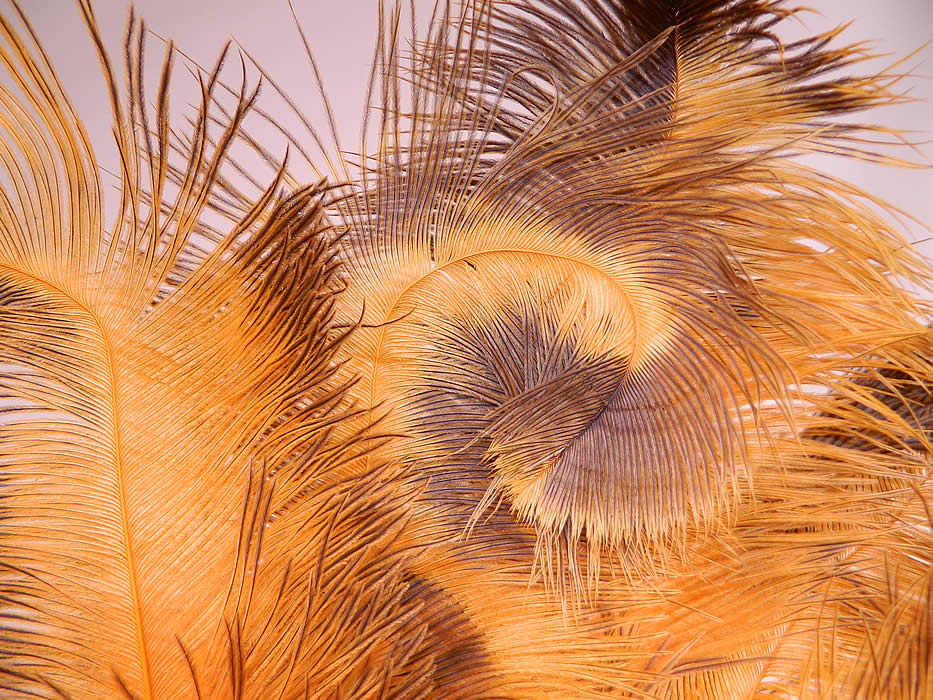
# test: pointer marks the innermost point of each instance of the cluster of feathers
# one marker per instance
(581, 383)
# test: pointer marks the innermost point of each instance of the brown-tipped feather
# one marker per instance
(588, 387)
(165, 408)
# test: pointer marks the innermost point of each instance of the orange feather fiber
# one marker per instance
(579, 383)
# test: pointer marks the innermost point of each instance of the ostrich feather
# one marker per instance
(167, 406)
(579, 384)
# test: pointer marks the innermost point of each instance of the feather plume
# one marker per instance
(589, 177)
(166, 408)
(585, 387)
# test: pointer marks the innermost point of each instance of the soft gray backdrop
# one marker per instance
(342, 32)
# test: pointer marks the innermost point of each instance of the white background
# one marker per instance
(342, 33)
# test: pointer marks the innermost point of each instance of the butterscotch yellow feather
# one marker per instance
(580, 384)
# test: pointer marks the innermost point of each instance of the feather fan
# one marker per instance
(582, 385)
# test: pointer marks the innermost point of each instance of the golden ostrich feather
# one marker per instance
(580, 384)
